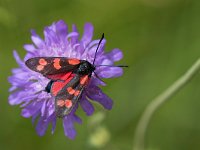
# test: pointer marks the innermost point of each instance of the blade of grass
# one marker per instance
(155, 104)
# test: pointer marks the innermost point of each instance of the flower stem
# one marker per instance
(139, 137)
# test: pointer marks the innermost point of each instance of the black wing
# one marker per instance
(68, 96)
(53, 67)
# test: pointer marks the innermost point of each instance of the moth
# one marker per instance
(68, 78)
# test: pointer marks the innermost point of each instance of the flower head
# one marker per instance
(28, 86)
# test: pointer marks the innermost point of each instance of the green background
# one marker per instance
(160, 40)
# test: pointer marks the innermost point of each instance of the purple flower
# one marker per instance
(27, 85)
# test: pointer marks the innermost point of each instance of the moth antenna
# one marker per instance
(122, 66)
(102, 37)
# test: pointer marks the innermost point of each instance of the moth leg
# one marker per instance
(98, 77)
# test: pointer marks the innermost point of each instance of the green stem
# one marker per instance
(141, 128)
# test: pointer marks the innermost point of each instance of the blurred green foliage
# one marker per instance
(160, 40)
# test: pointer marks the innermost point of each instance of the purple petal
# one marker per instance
(43, 108)
(26, 100)
(74, 110)
(79, 48)
(69, 127)
(74, 37)
(96, 94)
(115, 54)
(41, 127)
(30, 55)
(106, 62)
(95, 81)
(36, 39)
(43, 124)
(53, 124)
(12, 88)
(50, 37)
(34, 117)
(17, 58)
(93, 47)
(74, 28)
(50, 106)
(19, 77)
(61, 29)
(110, 72)
(16, 71)
(75, 118)
(31, 109)
(87, 107)
(19, 84)
(17, 98)
(93, 43)
(88, 33)
(30, 48)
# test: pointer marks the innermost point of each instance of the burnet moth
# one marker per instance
(68, 78)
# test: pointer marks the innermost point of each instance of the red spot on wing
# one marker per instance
(77, 92)
(56, 63)
(60, 103)
(40, 67)
(84, 80)
(42, 62)
(70, 90)
(73, 61)
(68, 103)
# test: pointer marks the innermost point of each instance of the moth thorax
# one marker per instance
(85, 68)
